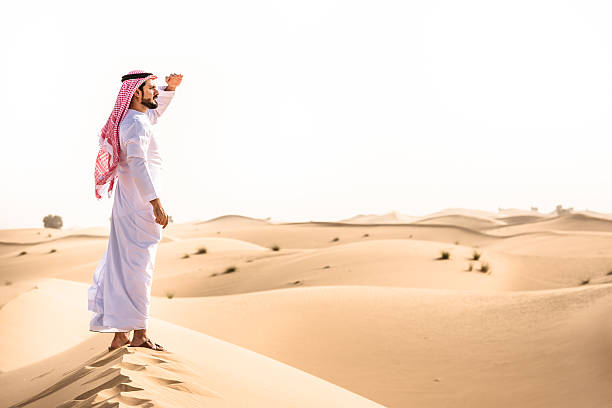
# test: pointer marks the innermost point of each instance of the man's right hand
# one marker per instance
(160, 214)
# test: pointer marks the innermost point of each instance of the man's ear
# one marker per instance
(138, 94)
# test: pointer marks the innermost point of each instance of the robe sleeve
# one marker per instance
(136, 147)
(163, 100)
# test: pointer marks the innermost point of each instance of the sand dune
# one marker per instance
(234, 221)
(198, 370)
(353, 313)
(390, 218)
(484, 349)
(380, 262)
(416, 347)
(469, 212)
(567, 222)
(521, 219)
(23, 236)
(471, 222)
(324, 234)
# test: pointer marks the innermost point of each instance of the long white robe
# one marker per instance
(120, 296)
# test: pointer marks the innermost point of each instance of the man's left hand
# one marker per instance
(173, 80)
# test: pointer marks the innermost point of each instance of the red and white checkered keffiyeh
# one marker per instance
(108, 156)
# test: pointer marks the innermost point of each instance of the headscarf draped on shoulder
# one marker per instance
(108, 156)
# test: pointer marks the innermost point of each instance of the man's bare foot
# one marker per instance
(120, 340)
(141, 339)
(140, 336)
(149, 344)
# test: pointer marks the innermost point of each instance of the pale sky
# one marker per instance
(314, 110)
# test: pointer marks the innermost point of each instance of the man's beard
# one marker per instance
(150, 103)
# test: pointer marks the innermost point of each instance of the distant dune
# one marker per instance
(234, 221)
(471, 222)
(567, 222)
(390, 218)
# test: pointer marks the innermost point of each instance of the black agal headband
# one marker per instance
(135, 76)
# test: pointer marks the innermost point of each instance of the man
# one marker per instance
(121, 292)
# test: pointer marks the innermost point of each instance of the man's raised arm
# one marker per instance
(166, 93)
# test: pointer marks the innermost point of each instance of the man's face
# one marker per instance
(149, 94)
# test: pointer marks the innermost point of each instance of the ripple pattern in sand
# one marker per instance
(127, 377)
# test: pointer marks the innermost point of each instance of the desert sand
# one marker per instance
(362, 312)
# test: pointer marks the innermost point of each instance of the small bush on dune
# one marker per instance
(471, 267)
(170, 295)
(22, 253)
(335, 239)
(585, 281)
(476, 255)
(366, 235)
(444, 255)
(200, 251)
(275, 248)
(53, 251)
(185, 256)
(230, 269)
(609, 273)
(485, 268)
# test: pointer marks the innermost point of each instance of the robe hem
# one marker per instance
(98, 329)
(97, 324)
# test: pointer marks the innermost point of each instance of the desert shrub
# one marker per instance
(366, 235)
(585, 281)
(335, 239)
(275, 248)
(53, 221)
(326, 267)
(53, 251)
(485, 268)
(444, 255)
(476, 255)
(185, 256)
(22, 253)
(200, 251)
(230, 269)
(169, 295)
(470, 267)
(609, 273)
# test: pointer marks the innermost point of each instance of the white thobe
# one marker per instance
(120, 296)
